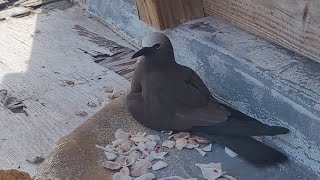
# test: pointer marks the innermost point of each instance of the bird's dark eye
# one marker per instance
(157, 46)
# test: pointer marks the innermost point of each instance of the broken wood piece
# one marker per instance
(163, 14)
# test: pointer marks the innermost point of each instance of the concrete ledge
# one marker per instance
(260, 78)
(76, 157)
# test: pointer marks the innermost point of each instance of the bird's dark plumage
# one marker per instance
(168, 96)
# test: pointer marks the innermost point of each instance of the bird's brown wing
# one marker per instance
(194, 104)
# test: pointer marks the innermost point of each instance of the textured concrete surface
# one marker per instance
(39, 53)
(76, 157)
(261, 79)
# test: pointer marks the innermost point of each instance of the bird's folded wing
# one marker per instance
(195, 104)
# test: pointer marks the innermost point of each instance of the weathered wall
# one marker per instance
(262, 79)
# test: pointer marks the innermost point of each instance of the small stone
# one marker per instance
(159, 165)
(81, 113)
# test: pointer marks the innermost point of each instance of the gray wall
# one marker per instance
(266, 81)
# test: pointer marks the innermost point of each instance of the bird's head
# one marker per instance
(156, 47)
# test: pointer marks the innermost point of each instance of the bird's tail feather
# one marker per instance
(234, 127)
(252, 150)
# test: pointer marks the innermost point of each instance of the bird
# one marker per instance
(165, 95)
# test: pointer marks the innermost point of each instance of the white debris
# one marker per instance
(125, 171)
(201, 140)
(169, 144)
(211, 171)
(110, 156)
(157, 155)
(139, 139)
(148, 176)
(125, 161)
(181, 135)
(230, 152)
(120, 176)
(208, 148)
(153, 137)
(120, 134)
(159, 165)
(140, 167)
(132, 153)
(200, 151)
(111, 165)
(150, 145)
(135, 154)
(181, 143)
(117, 142)
(167, 132)
(258, 138)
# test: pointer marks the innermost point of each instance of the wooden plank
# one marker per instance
(293, 24)
(163, 14)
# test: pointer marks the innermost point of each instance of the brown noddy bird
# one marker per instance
(165, 95)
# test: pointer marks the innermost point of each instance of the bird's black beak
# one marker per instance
(146, 51)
